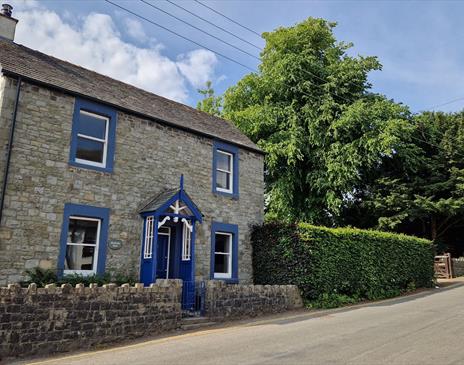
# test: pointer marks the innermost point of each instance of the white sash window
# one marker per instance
(82, 245)
(186, 240)
(92, 139)
(148, 249)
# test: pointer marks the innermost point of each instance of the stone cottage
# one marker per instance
(99, 176)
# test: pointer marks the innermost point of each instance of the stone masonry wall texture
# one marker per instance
(149, 157)
(226, 302)
(39, 321)
(45, 320)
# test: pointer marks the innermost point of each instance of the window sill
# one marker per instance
(232, 196)
(228, 281)
(79, 272)
(90, 167)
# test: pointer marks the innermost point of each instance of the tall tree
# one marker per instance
(309, 108)
(423, 195)
(211, 103)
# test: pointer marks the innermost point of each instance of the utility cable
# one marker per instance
(230, 19)
(179, 35)
(199, 29)
(239, 63)
(214, 25)
(201, 45)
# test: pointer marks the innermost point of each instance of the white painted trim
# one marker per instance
(189, 226)
(91, 138)
(186, 240)
(148, 237)
(168, 233)
(105, 141)
(230, 172)
(227, 275)
(96, 245)
(160, 224)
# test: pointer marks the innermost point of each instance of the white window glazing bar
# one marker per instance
(104, 141)
(148, 248)
(228, 274)
(186, 240)
(166, 231)
(96, 244)
(230, 173)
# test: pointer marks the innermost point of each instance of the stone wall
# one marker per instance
(458, 266)
(149, 158)
(225, 302)
(6, 110)
(46, 320)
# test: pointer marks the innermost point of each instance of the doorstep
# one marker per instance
(194, 323)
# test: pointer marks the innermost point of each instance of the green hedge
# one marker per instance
(345, 263)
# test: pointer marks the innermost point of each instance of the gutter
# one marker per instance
(10, 147)
(130, 111)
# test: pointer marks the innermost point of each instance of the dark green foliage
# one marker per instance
(40, 276)
(310, 108)
(211, 103)
(342, 265)
(422, 192)
(338, 154)
(43, 277)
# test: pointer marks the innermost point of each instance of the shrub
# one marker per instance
(40, 276)
(43, 277)
(342, 264)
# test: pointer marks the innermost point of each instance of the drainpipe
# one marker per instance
(10, 147)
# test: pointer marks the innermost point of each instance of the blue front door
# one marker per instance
(162, 256)
(169, 253)
(155, 252)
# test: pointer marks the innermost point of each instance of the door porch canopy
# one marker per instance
(173, 203)
(173, 208)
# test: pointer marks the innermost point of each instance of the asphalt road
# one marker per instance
(423, 329)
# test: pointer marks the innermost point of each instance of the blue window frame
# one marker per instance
(225, 169)
(84, 234)
(224, 252)
(93, 136)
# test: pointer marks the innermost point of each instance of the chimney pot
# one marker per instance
(7, 10)
(7, 23)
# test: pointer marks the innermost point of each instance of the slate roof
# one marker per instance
(44, 69)
(157, 201)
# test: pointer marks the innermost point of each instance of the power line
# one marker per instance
(209, 49)
(226, 17)
(199, 29)
(214, 25)
(302, 69)
(251, 30)
(179, 35)
(446, 103)
(311, 73)
(435, 145)
(232, 60)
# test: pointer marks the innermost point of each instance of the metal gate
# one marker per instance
(193, 296)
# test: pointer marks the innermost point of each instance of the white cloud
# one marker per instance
(197, 66)
(135, 29)
(95, 42)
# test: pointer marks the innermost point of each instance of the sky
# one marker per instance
(419, 43)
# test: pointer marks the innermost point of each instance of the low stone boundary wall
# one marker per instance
(45, 320)
(458, 266)
(232, 301)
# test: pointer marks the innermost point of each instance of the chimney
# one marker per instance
(7, 23)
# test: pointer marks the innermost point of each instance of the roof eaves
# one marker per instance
(129, 111)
